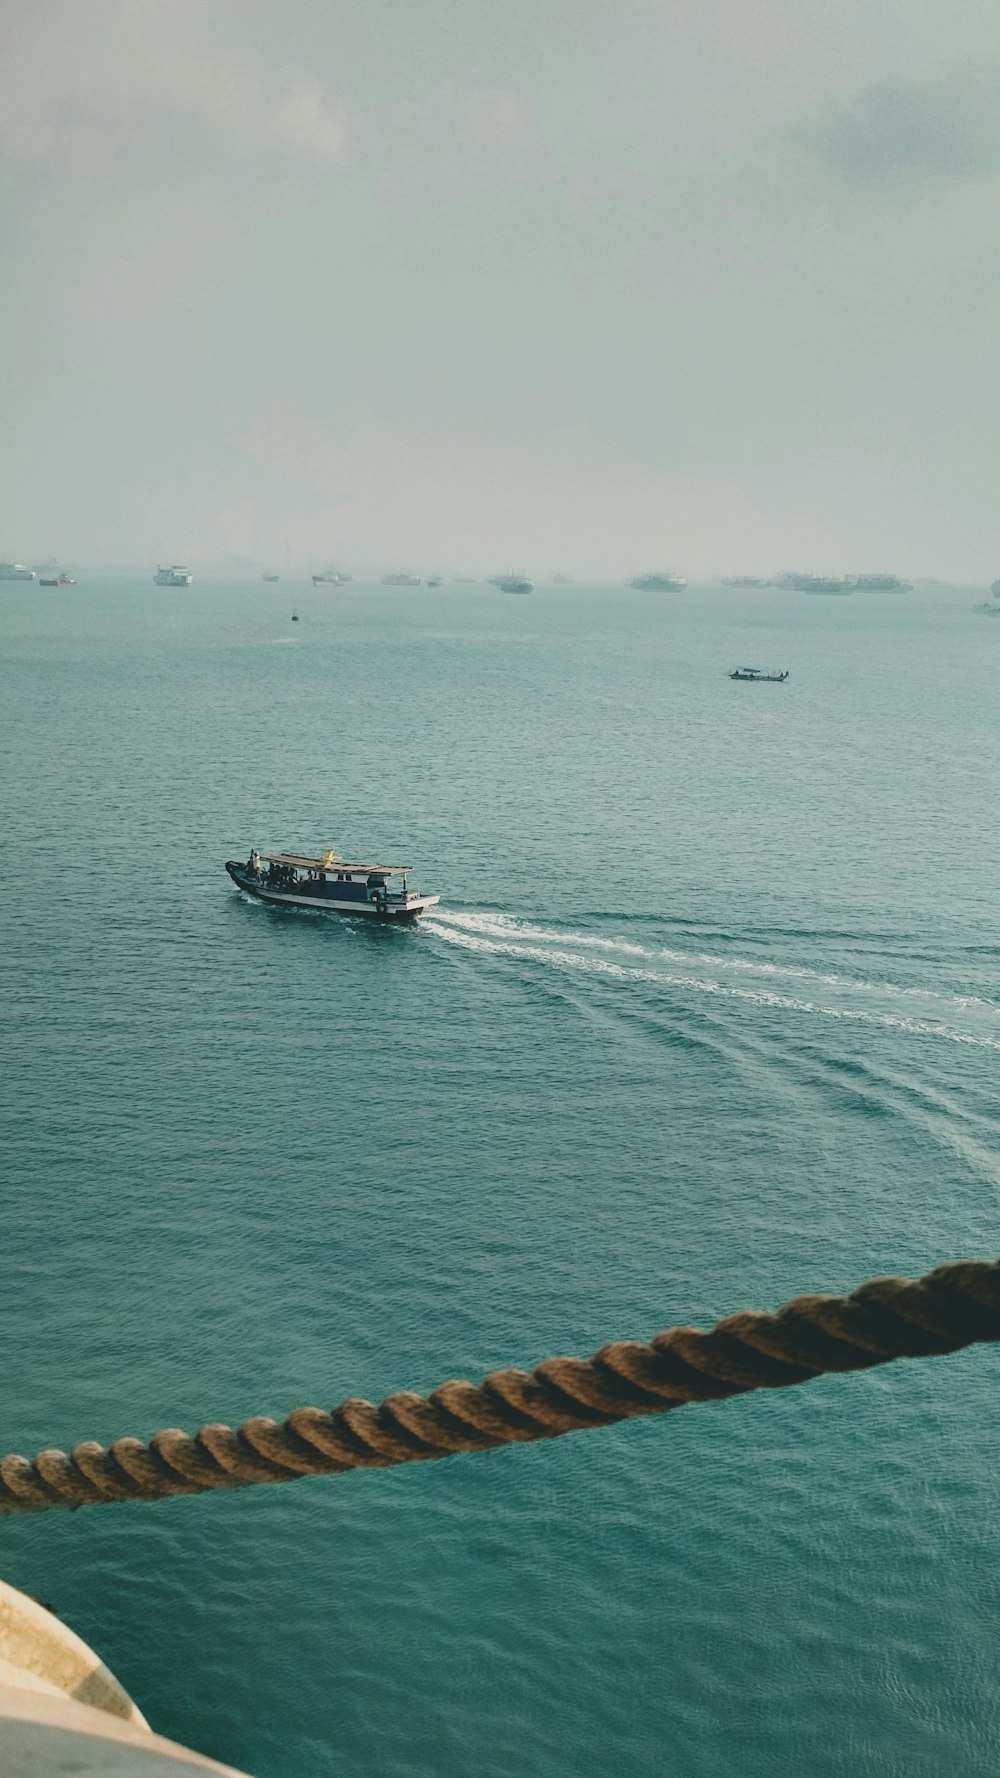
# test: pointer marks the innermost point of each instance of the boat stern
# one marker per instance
(407, 905)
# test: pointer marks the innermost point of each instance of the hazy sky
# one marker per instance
(593, 285)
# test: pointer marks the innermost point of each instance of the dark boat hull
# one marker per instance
(326, 903)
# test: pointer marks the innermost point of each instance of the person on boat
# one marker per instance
(254, 865)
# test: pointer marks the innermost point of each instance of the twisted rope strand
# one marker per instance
(956, 1305)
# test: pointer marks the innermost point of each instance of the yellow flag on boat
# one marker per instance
(328, 860)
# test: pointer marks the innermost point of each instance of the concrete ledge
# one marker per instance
(51, 1737)
(63, 1713)
(37, 1645)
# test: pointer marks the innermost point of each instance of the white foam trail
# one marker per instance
(506, 928)
(508, 941)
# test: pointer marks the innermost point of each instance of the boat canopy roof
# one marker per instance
(335, 863)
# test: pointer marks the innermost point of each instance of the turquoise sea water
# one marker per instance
(709, 1015)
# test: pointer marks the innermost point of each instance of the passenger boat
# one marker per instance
(329, 885)
(758, 673)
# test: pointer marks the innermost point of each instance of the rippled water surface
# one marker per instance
(709, 1014)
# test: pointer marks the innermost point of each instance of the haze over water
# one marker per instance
(709, 1015)
(707, 287)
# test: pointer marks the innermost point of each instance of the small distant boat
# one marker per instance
(435, 580)
(329, 885)
(400, 580)
(330, 577)
(271, 577)
(744, 580)
(295, 617)
(512, 583)
(755, 674)
(658, 583)
(178, 575)
(15, 571)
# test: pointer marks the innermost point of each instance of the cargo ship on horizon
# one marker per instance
(814, 583)
(881, 583)
(658, 583)
(512, 583)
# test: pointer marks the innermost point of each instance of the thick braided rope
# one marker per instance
(956, 1305)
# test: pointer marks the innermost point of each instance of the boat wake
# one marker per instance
(913, 1011)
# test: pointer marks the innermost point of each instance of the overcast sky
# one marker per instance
(591, 285)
